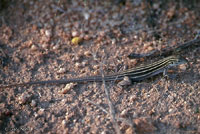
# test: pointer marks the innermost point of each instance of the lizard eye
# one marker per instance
(173, 63)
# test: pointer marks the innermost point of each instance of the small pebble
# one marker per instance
(133, 98)
(95, 67)
(170, 110)
(103, 132)
(87, 53)
(48, 33)
(135, 37)
(129, 130)
(33, 103)
(198, 116)
(156, 5)
(146, 44)
(177, 124)
(183, 67)
(67, 88)
(86, 37)
(74, 34)
(56, 47)
(124, 112)
(102, 33)
(133, 61)
(41, 111)
(34, 48)
(62, 70)
(113, 42)
(86, 15)
(150, 48)
(36, 115)
(76, 40)
(64, 123)
(95, 72)
(84, 63)
(144, 126)
(77, 64)
(45, 45)
(23, 98)
(125, 82)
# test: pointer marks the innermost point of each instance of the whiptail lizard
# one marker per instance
(135, 74)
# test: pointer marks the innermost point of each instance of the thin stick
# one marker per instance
(168, 51)
(103, 109)
(127, 122)
(111, 108)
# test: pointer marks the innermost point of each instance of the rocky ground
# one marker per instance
(56, 39)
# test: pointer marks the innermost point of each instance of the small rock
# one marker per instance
(86, 37)
(150, 48)
(133, 98)
(87, 53)
(171, 12)
(84, 63)
(198, 116)
(41, 111)
(23, 98)
(77, 64)
(86, 15)
(183, 67)
(156, 5)
(34, 48)
(48, 33)
(177, 124)
(104, 132)
(151, 112)
(74, 33)
(102, 33)
(129, 131)
(76, 40)
(33, 103)
(36, 115)
(125, 82)
(95, 67)
(56, 47)
(64, 123)
(113, 41)
(67, 88)
(62, 70)
(124, 112)
(135, 37)
(45, 45)
(133, 61)
(170, 110)
(144, 126)
(146, 44)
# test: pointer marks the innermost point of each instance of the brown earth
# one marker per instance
(55, 39)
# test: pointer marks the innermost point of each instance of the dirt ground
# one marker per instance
(57, 39)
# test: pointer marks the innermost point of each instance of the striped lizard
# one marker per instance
(135, 74)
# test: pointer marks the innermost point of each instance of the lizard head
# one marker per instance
(176, 60)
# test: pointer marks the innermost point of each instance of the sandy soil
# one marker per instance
(56, 39)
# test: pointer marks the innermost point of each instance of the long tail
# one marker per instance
(63, 81)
